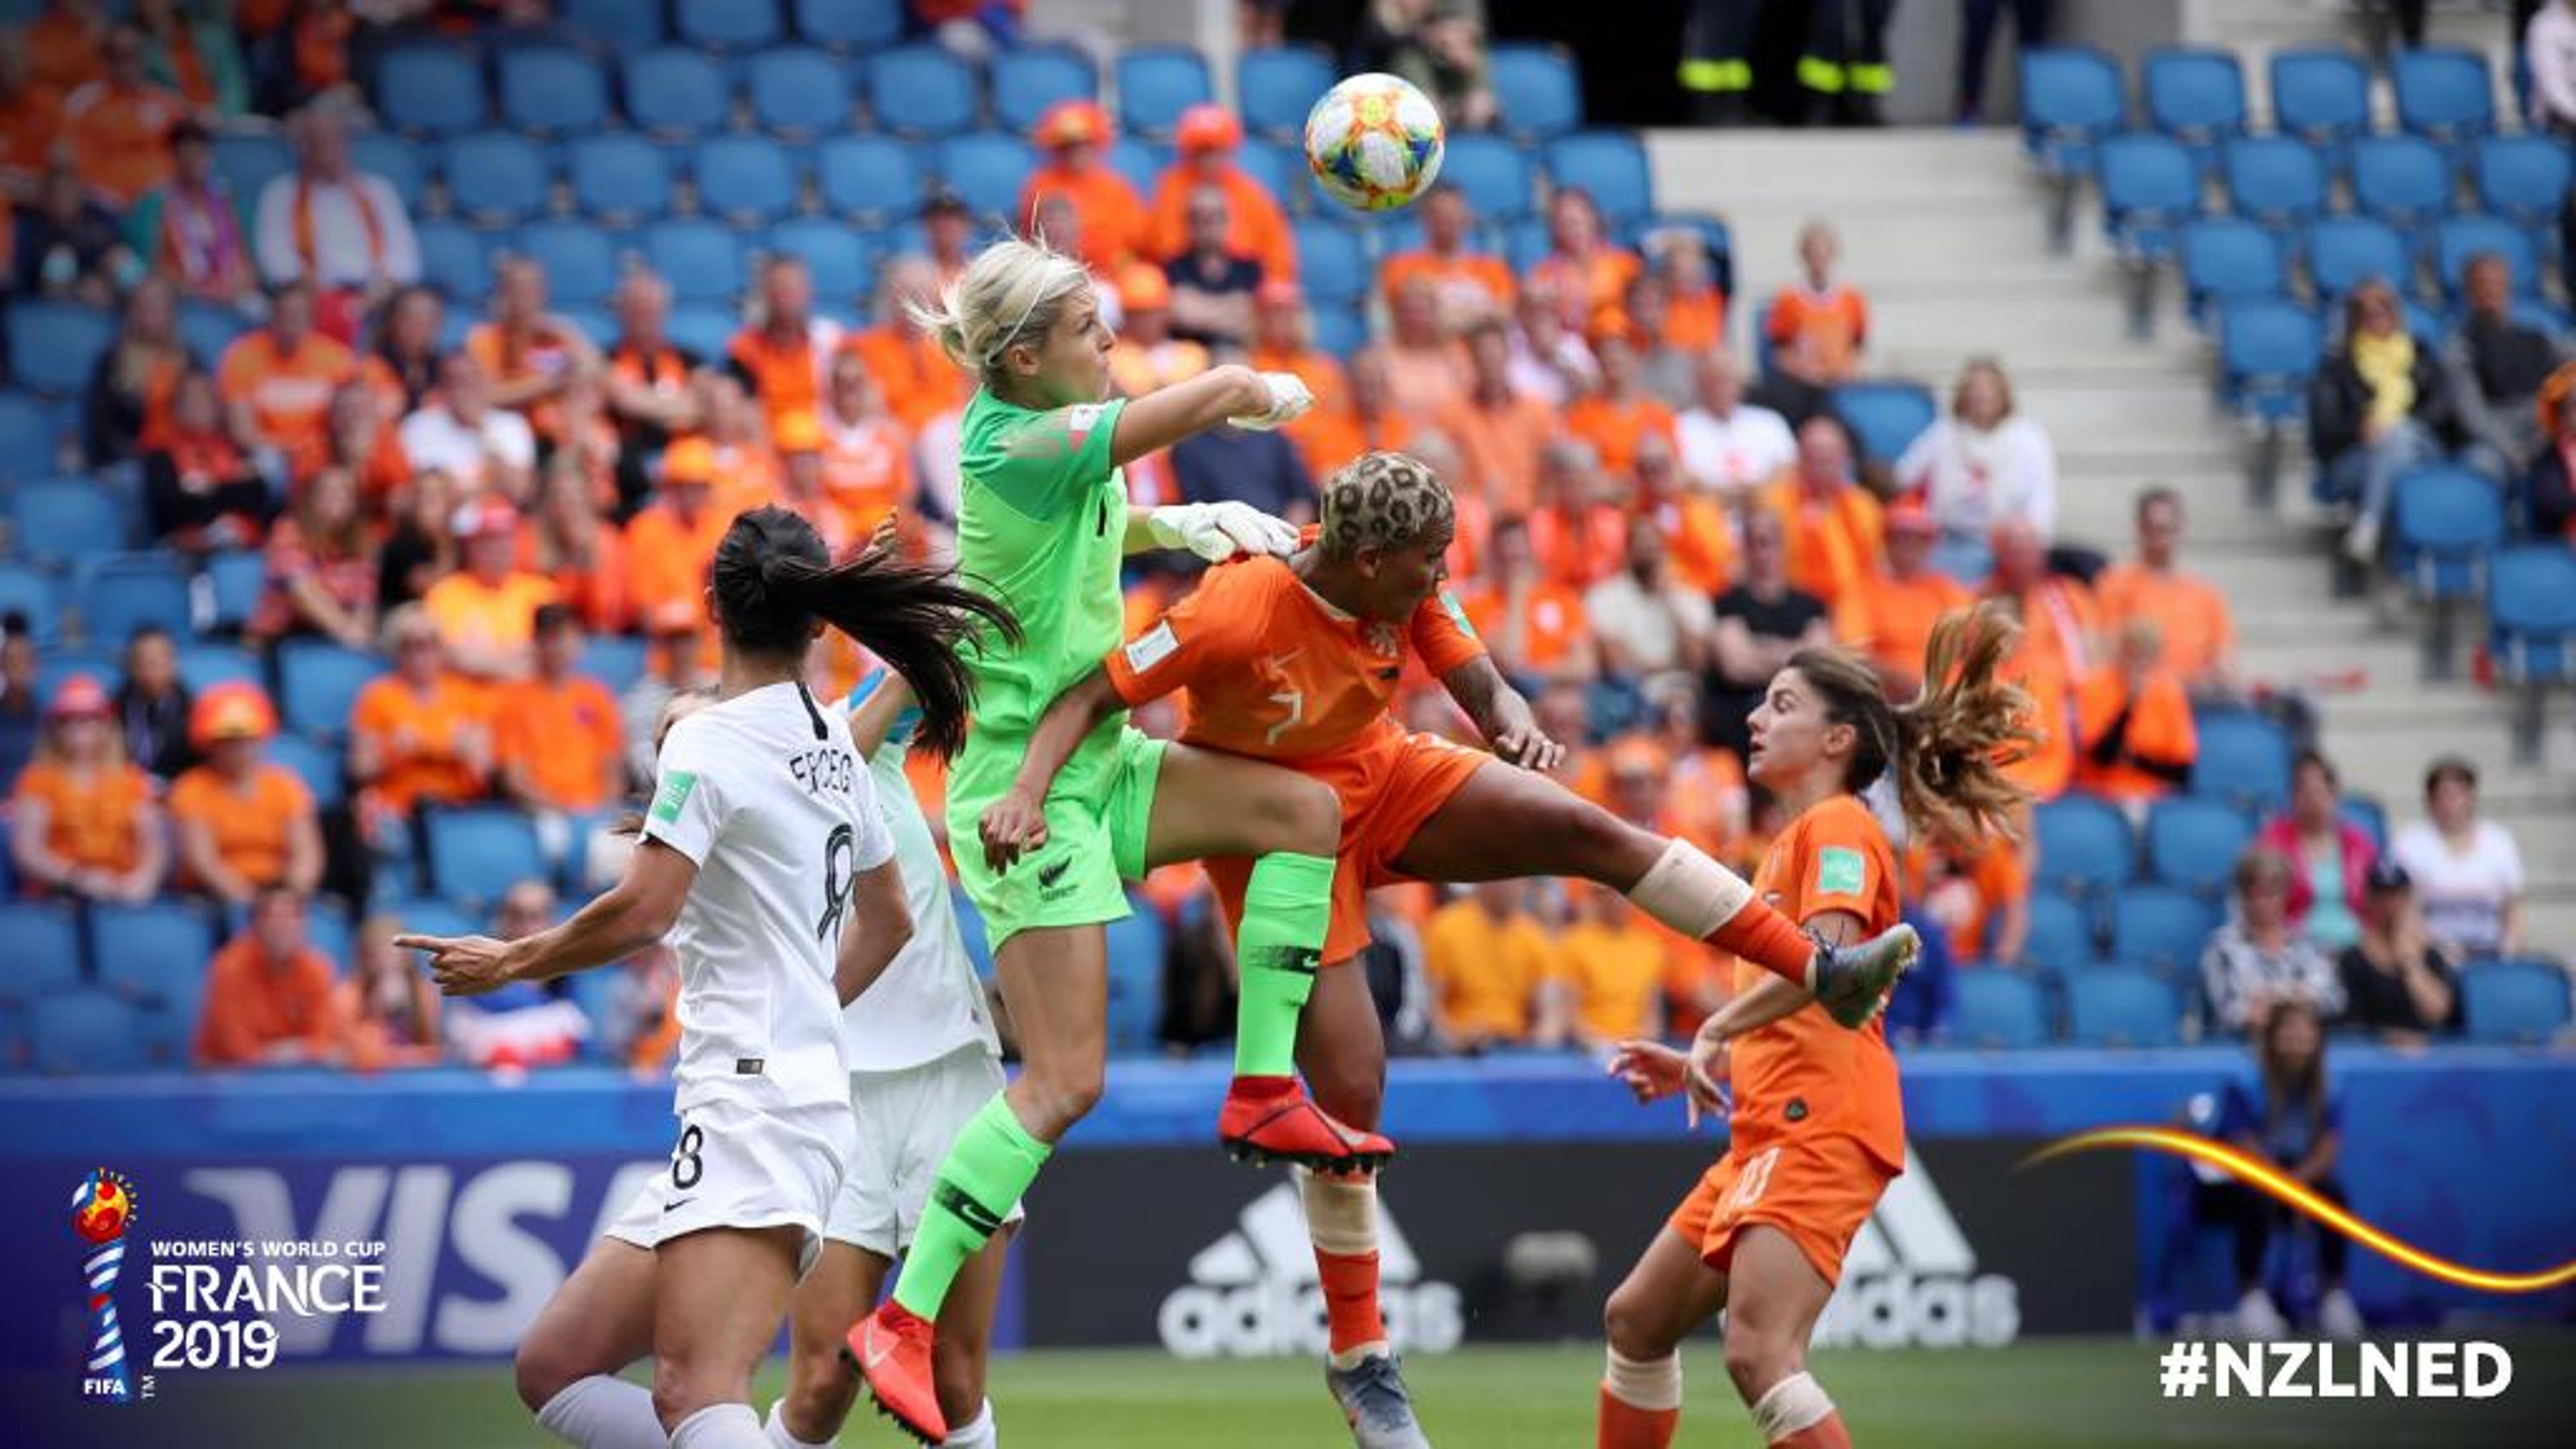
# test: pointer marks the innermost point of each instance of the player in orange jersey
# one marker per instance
(1295, 661)
(1817, 1129)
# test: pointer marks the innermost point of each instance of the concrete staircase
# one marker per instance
(1945, 232)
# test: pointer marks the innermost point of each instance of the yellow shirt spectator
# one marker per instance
(1612, 966)
(1486, 962)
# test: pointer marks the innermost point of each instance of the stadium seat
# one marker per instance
(672, 91)
(1279, 167)
(1537, 93)
(65, 519)
(328, 929)
(579, 258)
(430, 89)
(2531, 612)
(2346, 251)
(320, 768)
(1340, 331)
(2121, 1006)
(2160, 927)
(868, 178)
(124, 592)
(1884, 417)
(1275, 86)
(552, 90)
(986, 168)
(702, 261)
(799, 92)
(1998, 1010)
(1611, 166)
(2071, 98)
(249, 160)
(615, 660)
(1135, 951)
(209, 327)
(2195, 95)
(921, 90)
(59, 665)
(478, 852)
(2446, 520)
(746, 180)
(1140, 161)
(619, 24)
(25, 591)
(86, 1032)
(2274, 180)
(1330, 262)
(2514, 1002)
(2267, 351)
(850, 24)
(27, 436)
(2522, 178)
(44, 948)
(2366, 812)
(2456, 239)
(2193, 843)
(727, 24)
(53, 345)
(317, 682)
(838, 256)
(395, 160)
(2149, 188)
(2226, 259)
(1029, 78)
(618, 178)
(1158, 82)
(453, 260)
(495, 178)
(154, 956)
(2402, 180)
(702, 328)
(2244, 761)
(1493, 173)
(429, 916)
(202, 666)
(2443, 95)
(2083, 846)
(2321, 97)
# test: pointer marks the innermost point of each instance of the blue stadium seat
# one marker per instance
(2082, 846)
(1611, 165)
(1135, 950)
(2267, 351)
(2447, 519)
(1998, 1010)
(53, 345)
(2193, 843)
(2458, 238)
(2225, 259)
(868, 178)
(430, 89)
(986, 169)
(615, 660)
(1340, 331)
(702, 261)
(478, 852)
(85, 1032)
(1330, 262)
(1494, 174)
(1525, 242)
(202, 666)
(1275, 86)
(59, 665)
(1537, 93)
(2366, 812)
(621, 25)
(727, 24)
(2244, 761)
(2150, 187)
(799, 92)
(317, 682)
(746, 180)
(921, 90)
(579, 258)
(2071, 98)
(429, 916)
(2443, 95)
(207, 328)
(249, 160)
(328, 929)
(2160, 927)
(44, 948)
(553, 90)
(1029, 78)
(850, 24)
(1158, 82)
(2120, 1006)
(1279, 167)
(701, 328)
(1885, 417)
(65, 519)
(672, 91)
(2274, 180)
(27, 591)
(124, 592)
(2402, 180)
(319, 767)
(2195, 95)
(28, 439)
(2321, 97)
(2514, 1002)
(453, 260)
(154, 955)
(1140, 161)
(396, 160)
(2522, 178)
(2346, 251)
(618, 178)
(495, 178)
(841, 258)
(2531, 613)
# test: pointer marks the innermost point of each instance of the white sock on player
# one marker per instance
(1796, 1402)
(1652, 1384)
(604, 1412)
(981, 1434)
(779, 1435)
(1690, 892)
(720, 1426)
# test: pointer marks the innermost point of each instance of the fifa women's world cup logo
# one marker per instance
(102, 1209)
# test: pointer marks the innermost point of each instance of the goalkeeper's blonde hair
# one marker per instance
(1012, 293)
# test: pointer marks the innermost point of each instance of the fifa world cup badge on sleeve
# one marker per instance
(102, 1210)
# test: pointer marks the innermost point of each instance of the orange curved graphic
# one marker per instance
(2272, 1182)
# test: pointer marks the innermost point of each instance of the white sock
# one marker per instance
(720, 1426)
(1652, 1384)
(1690, 892)
(981, 1434)
(1796, 1402)
(780, 1437)
(604, 1412)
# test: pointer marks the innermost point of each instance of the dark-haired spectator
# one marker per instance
(278, 382)
(522, 1024)
(388, 1005)
(1889, 613)
(1730, 447)
(530, 355)
(486, 610)
(558, 745)
(127, 403)
(2259, 958)
(2466, 870)
(1817, 329)
(116, 128)
(1586, 272)
(1761, 622)
(1212, 284)
(419, 735)
(2133, 723)
(403, 365)
(270, 997)
(22, 721)
(2189, 613)
(189, 49)
(1468, 283)
(2329, 857)
(1075, 134)
(321, 566)
(2497, 366)
(152, 706)
(1550, 361)
(465, 433)
(189, 230)
(1535, 625)
(1207, 138)
(67, 245)
(344, 231)
(2290, 1119)
(1835, 528)
(779, 356)
(1648, 626)
(199, 491)
(1499, 430)
(2379, 406)
(244, 823)
(83, 821)
(1620, 413)
(1982, 462)
(948, 231)
(2397, 983)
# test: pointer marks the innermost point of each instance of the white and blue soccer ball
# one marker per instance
(1374, 142)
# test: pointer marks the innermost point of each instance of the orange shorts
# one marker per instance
(1817, 1190)
(1386, 795)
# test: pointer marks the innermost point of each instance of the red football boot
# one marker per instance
(891, 1350)
(1271, 1119)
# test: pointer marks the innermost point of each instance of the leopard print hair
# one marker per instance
(1383, 500)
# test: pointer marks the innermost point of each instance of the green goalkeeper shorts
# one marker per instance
(1096, 817)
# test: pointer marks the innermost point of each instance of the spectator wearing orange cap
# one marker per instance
(1208, 138)
(1613, 418)
(1466, 282)
(800, 481)
(1834, 526)
(1212, 284)
(1147, 357)
(278, 382)
(270, 998)
(244, 822)
(2133, 722)
(557, 743)
(1588, 272)
(672, 543)
(1074, 134)
(83, 821)
(117, 127)
(1889, 613)
(866, 453)
(486, 611)
(420, 735)
(1499, 430)
(779, 357)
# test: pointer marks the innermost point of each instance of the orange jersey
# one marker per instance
(2199, 634)
(2160, 731)
(1834, 542)
(30, 123)
(252, 823)
(918, 379)
(867, 471)
(1499, 448)
(1698, 543)
(1820, 332)
(544, 349)
(1255, 227)
(1112, 216)
(562, 738)
(288, 393)
(92, 823)
(1615, 973)
(419, 739)
(667, 560)
(1804, 1076)
(63, 48)
(1466, 284)
(1484, 973)
(252, 1006)
(1695, 321)
(1613, 428)
(119, 139)
(1965, 895)
(1591, 285)
(1555, 622)
(1890, 619)
(786, 377)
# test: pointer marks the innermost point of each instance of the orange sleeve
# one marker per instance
(2222, 626)
(223, 1037)
(2097, 703)
(1218, 625)
(608, 732)
(238, 374)
(2164, 717)
(1167, 229)
(314, 984)
(1788, 314)
(375, 711)
(1842, 857)
(1442, 636)
(1859, 318)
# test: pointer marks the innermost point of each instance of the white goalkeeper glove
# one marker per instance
(1289, 399)
(1218, 531)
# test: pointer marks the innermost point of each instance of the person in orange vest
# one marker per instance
(1468, 283)
(1208, 138)
(2133, 721)
(1889, 614)
(1074, 133)
(1834, 526)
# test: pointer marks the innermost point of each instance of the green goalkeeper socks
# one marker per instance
(989, 1166)
(1287, 908)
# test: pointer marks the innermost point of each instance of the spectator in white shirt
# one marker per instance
(2467, 871)
(2257, 960)
(1729, 446)
(460, 433)
(2549, 47)
(331, 223)
(1649, 626)
(1983, 464)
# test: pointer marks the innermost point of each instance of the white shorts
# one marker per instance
(907, 1119)
(740, 1167)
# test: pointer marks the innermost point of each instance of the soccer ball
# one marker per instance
(1374, 142)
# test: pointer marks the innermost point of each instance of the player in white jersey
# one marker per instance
(765, 860)
(923, 1058)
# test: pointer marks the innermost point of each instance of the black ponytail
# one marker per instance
(773, 578)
